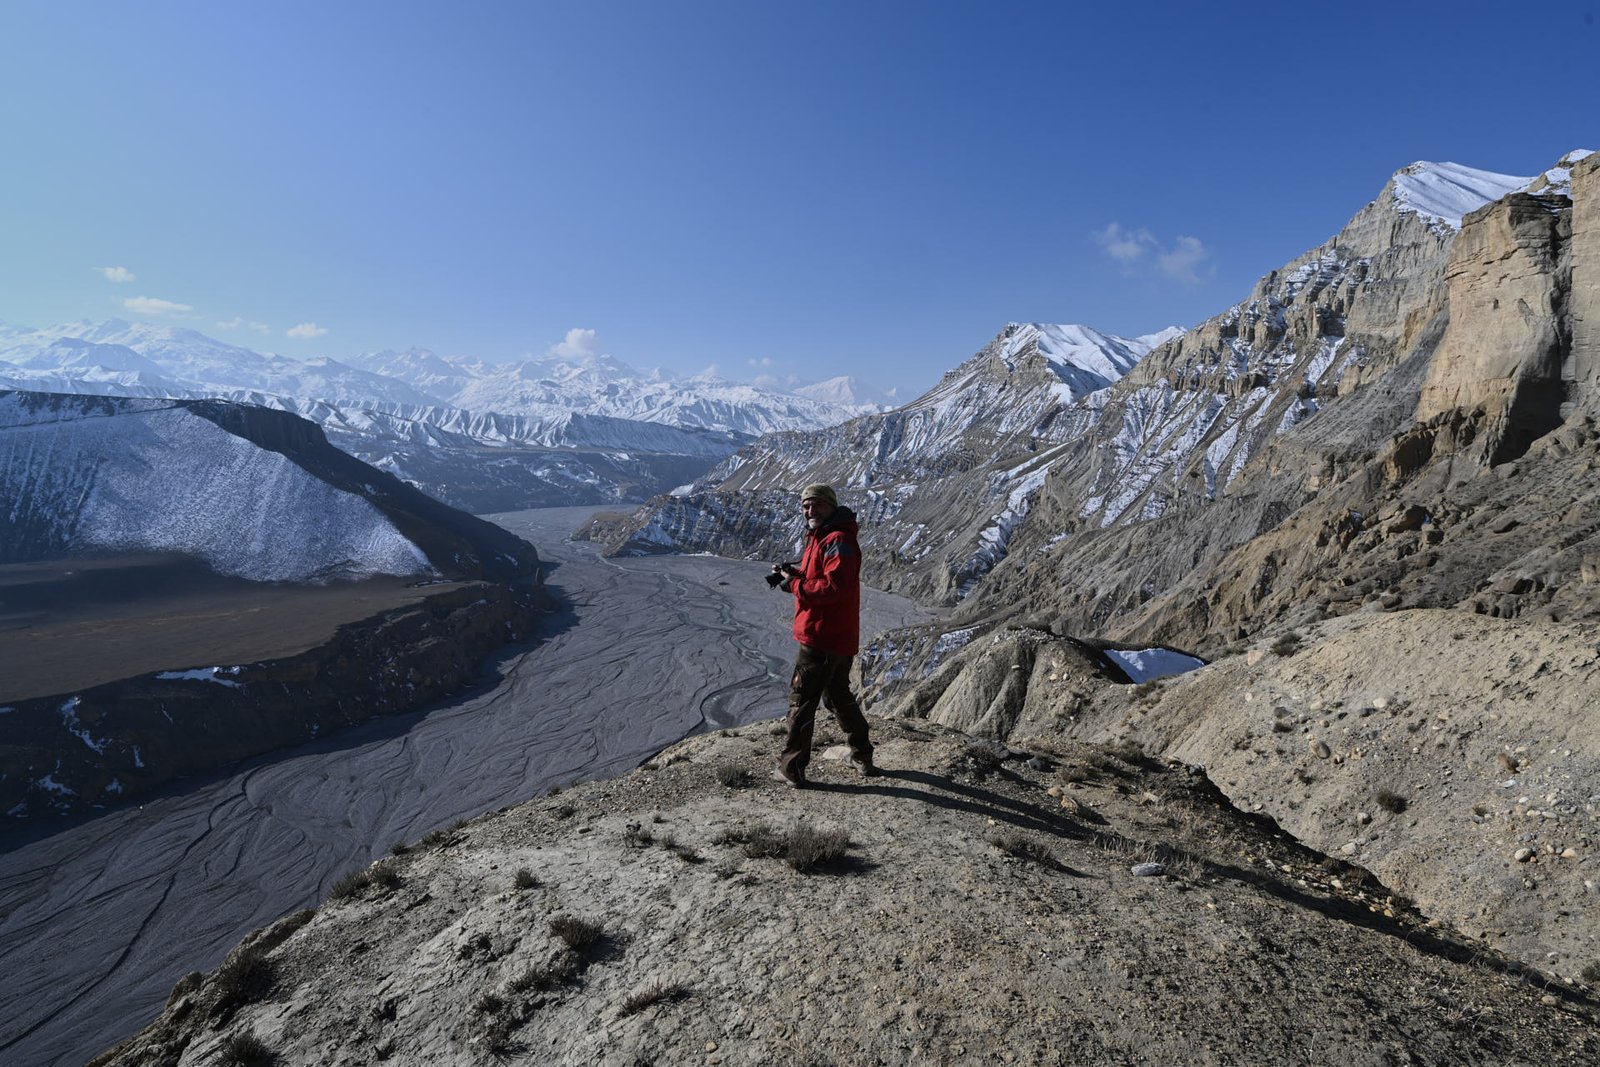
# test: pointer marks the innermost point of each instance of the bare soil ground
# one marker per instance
(72, 624)
(976, 904)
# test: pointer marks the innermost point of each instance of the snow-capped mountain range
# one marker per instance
(1109, 432)
(588, 429)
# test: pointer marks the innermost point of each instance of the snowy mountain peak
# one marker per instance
(1442, 193)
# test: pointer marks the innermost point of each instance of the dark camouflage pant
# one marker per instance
(818, 677)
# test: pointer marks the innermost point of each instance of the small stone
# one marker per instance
(1548, 1001)
(1522, 855)
(1569, 853)
(1147, 870)
(1053, 791)
(1362, 818)
(1320, 749)
(1349, 848)
(711, 1046)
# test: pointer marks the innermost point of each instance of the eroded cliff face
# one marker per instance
(1363, 504)
(114, 742)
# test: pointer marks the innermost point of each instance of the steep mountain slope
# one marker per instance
(942, 481)
(142, 536)
(1402, 592)
(253, 493)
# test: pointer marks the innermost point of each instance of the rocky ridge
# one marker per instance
(985, 436)
(1046, 902)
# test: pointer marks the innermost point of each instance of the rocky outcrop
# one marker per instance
(1450, 754)
(1510, 330)
(121, 740)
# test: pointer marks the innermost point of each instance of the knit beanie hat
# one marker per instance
(820, 492)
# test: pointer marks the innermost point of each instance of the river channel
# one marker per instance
(100, 917)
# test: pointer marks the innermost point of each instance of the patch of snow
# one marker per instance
(201, 674)
(1443, 193)
(49, 784)
(69, 719)
(1147, 664)
(947, 643)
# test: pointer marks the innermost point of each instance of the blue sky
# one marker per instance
(802, 189)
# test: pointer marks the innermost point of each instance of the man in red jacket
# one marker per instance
(827, 623)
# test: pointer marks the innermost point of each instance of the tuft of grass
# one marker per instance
(578, 933)
(245, 976)
(434, 839)
(524, 879)
(1073, 773)
(1021, 846)
(1147, 691)
(247, 1050)
(733, 776)
(636, 836)
(564, 811)
(1288, 644)
(763, 841)
(399, 848)
(1391, 801)
(810, 847)
(489, 1004)
(381, 874)
(546, 976)
(686, 853)
(653, 994)
(805, 847)
(1591, 973)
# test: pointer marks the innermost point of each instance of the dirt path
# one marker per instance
(98, 920)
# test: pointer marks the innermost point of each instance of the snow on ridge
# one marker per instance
(155, 477)
(1443, 193)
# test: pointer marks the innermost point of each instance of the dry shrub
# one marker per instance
(655, 993)
(1391, 802)
(810, 847)
(247, 1050)
(579, 934)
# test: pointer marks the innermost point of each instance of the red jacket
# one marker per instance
(827, 595)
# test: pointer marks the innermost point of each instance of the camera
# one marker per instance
(779, 572)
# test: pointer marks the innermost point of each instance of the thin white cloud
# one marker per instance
(237, 323)
(764, 361)
(580, 344)
(1138, 251)
(1125, 246)
(119, 275)
(306, 331)
(150, 305)
(1184, 260)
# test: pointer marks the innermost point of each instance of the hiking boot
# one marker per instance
(865, 767)
(793, 781)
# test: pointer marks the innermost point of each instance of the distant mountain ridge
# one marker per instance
(578, 430)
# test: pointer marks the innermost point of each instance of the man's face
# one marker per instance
(817, 511)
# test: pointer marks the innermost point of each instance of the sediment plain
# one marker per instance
(100, 916)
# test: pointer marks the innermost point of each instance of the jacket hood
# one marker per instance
(841, 519)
